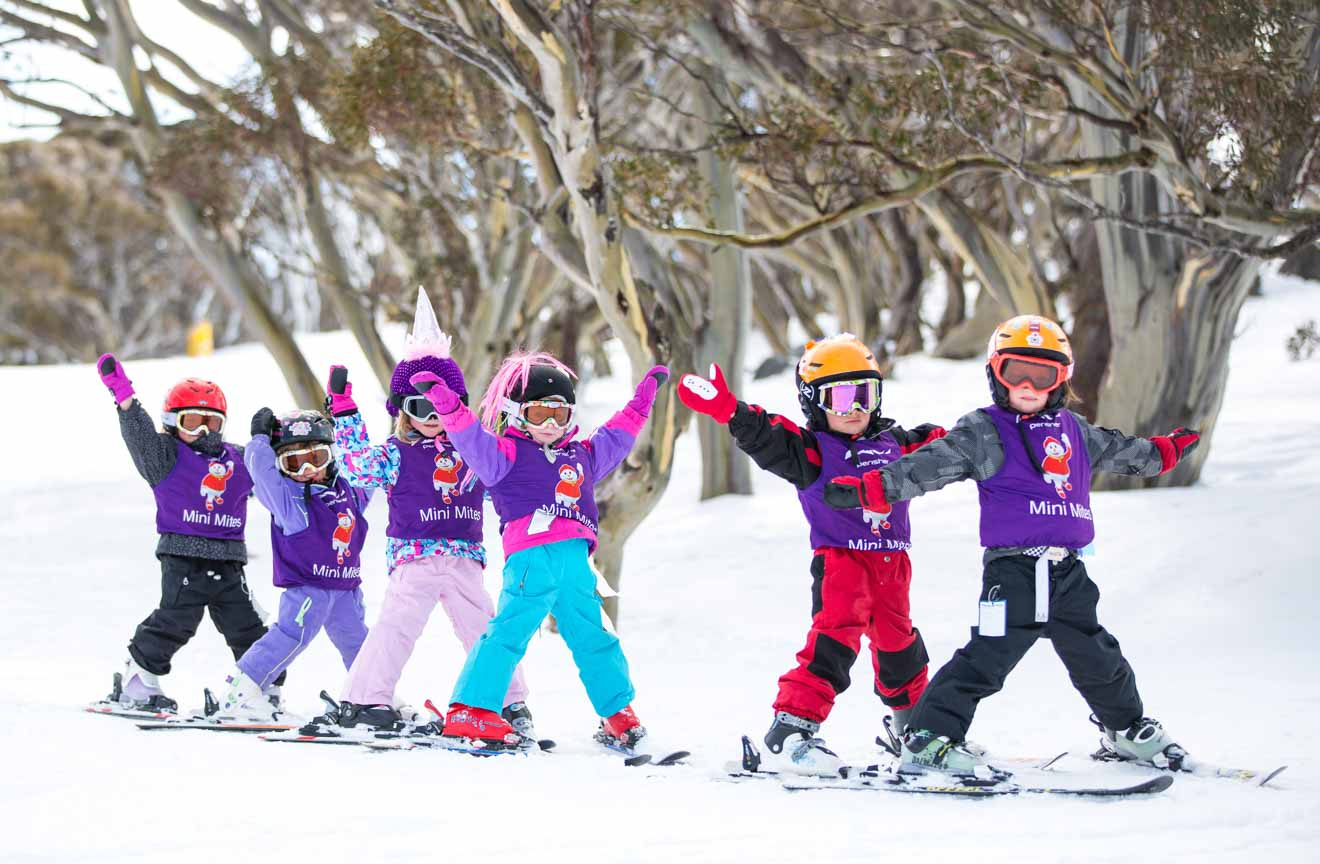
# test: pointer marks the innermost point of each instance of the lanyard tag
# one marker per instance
(992, 620)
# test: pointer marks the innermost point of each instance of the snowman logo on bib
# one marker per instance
(343, 535)
(1054, 467)
(445, 476)
(569, 488)
(215, 481)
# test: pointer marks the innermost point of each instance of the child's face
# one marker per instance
(428, 428)
(546, 434)
(1025, 400)
(189, 437)
(853, 423)
(317, 477)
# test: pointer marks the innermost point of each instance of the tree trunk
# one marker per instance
(1090, 329)
(969, 338)
(905, 304)
(725, 469)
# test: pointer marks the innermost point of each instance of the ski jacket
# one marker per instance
(975, 450)
(809, 460)
(377, 466)
(317, 530)
(155, 454)
(543, 494)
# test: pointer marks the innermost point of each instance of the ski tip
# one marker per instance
(546, 744)
(639, 759)
(1271, 775)
(1155, 784)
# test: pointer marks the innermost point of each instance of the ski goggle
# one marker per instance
(536, 413)
(841, 398)
(198, 420)
(304, 460)
(1035, 373)
(419, 408)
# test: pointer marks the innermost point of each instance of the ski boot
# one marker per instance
(138, 689)
(480, 729)
(1145, 741)
(621, 731)
(791, 747)
(241, 699)
(519, 716)
(924, 751)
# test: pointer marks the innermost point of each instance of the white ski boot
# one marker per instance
(924, 751)
(139, 689)
(242, 699)
(791, 747)
(1144, 741)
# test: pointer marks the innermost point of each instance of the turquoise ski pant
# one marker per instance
(552, 578)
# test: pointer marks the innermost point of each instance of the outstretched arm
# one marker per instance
(1111, 451)
(970, 451)
(611, 443)
(489, 457)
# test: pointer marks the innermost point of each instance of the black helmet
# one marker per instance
(544, 382)
(303, 427)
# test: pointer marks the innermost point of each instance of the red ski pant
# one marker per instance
(855, 593)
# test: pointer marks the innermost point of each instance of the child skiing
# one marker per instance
(860, 567)
(317, 529)
(201, 490)
(527, 437)
(434, 546)
(1035, 518)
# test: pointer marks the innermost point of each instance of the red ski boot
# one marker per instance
(480, 728)
(621, 731)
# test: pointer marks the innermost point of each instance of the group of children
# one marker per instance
(854, 471)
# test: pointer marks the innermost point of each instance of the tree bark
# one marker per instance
(905, 305)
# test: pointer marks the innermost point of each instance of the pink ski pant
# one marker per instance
(415, 587)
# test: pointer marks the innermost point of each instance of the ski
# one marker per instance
(214, 724)
(1198, 768)
(636, 758)
(453, 745)
(969, 788)
(114, 709)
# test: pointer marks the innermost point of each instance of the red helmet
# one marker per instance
(196, 393)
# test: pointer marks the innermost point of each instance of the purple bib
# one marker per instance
(326, 553)
(1042, 495)
(562, 488)
(436, 497)
(862, 529)
(204, 496)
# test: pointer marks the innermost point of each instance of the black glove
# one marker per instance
(264, 423)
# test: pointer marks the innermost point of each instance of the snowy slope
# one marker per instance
(1211, 591)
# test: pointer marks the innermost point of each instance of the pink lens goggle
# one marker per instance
(844, 397)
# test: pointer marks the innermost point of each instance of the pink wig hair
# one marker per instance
(514, 370)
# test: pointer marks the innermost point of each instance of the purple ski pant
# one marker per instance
(415, 588)
(304, 610)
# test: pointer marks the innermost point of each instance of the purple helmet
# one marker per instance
(444, 367)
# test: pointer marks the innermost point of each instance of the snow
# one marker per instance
(1211, 590)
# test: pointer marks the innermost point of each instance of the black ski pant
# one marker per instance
(1089, 653)
(188, 588)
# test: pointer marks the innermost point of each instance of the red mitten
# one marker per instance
(1174, 446)
(844, 493)
(924, 434)
(710, 397)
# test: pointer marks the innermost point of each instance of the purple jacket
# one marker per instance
(864, 530)
(203, 495)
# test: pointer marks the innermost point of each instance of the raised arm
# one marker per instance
(364, 464)
(281, 496)
(490, 457)
(612, 442)
(153, 452)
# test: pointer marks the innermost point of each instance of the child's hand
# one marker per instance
(923, 435)
(710, 397)
(433, 387)
(264, 423)
(339, 399)
(113, 376)
(644, 397)
(845, 493)
(1174, 446)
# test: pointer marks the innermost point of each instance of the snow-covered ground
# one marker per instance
(1212, 591)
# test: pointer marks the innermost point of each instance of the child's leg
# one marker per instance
(979, 669)
(1092, 656)
(596, 650)
(470, 609)
(531, 581)
(232, 609)
(346, 625)
(840, 610)
(182, 601)
(303, 612)
(897, 650)
(412, 593)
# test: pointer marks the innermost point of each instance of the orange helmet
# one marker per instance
(1029, 336)
(825, 361)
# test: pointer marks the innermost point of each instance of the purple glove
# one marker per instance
(433, 387)
(644, 397)
(113, 377)
(339, 390)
